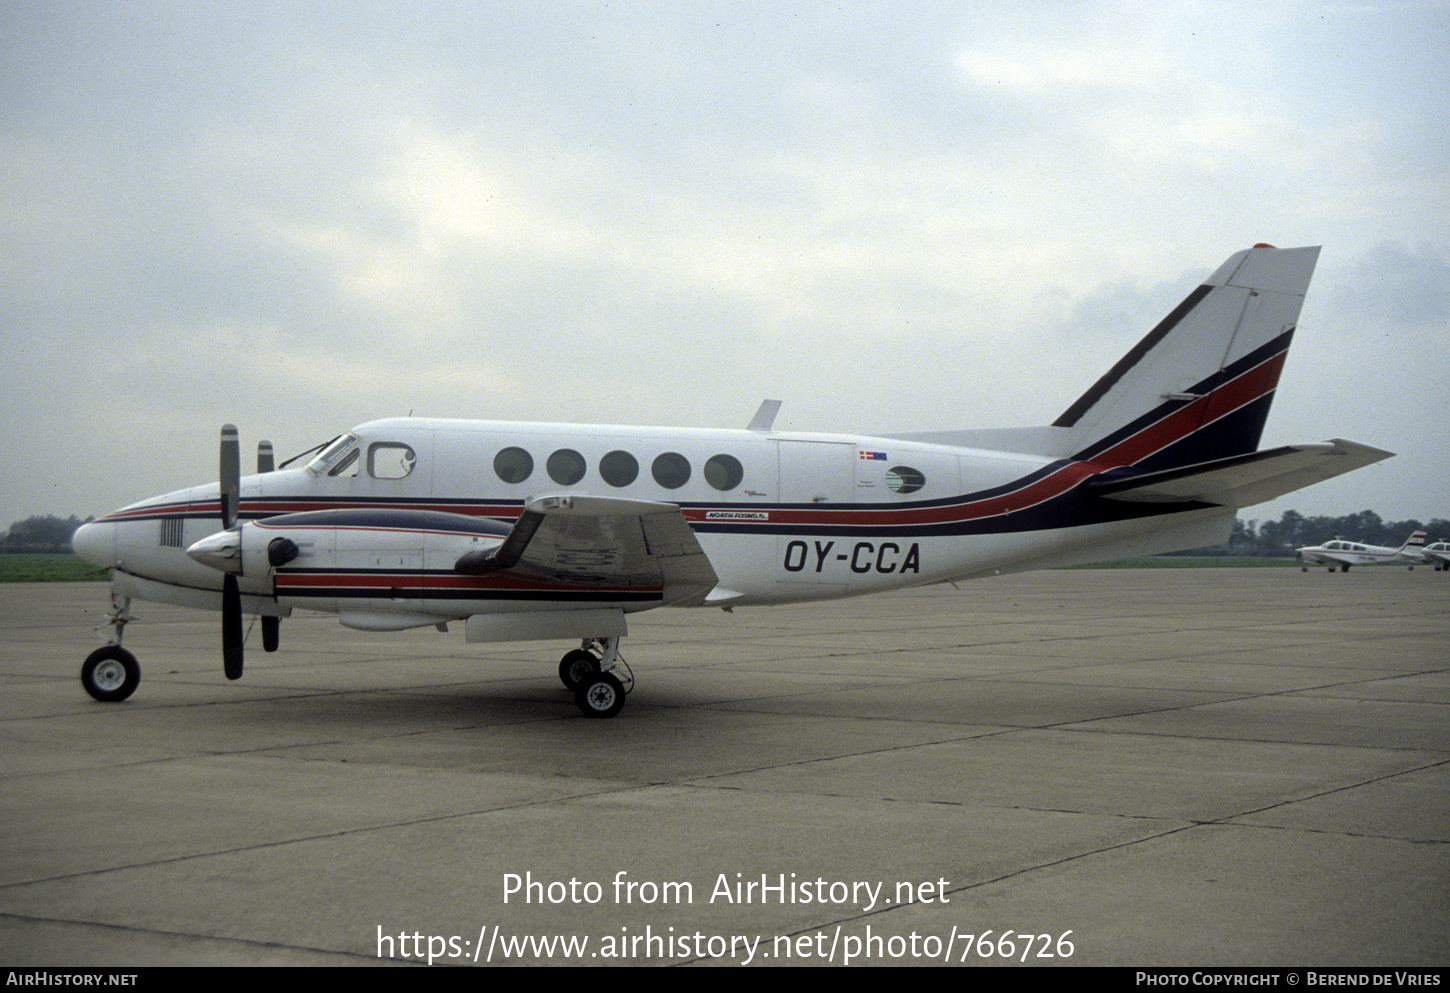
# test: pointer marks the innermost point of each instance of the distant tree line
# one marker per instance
(1251, 537)
(40, 534)
(1294, 531)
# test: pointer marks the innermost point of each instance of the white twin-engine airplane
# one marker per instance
(1438, 555)
(554, 531)
(1343, 554)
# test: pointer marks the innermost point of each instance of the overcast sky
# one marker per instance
(891, 216)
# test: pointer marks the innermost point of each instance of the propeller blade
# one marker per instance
(231, 627)
(265, 460)
(230, 473)
(271, 632)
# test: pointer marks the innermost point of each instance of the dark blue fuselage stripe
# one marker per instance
(1075, 508)
(1071, 508)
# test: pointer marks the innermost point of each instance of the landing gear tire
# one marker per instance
(601, 695)
(576, 667)
(110, 674)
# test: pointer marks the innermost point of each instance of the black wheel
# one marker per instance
(601, 695)
(576, 667)
(110, 674)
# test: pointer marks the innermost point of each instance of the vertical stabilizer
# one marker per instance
(1199, 386)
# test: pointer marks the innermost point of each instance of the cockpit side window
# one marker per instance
(346, 466)
(390, 460)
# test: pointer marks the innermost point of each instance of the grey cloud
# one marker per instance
(1393, 282)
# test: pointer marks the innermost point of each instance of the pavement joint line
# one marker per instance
(188, 936)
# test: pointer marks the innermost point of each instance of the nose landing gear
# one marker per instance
(110, 673)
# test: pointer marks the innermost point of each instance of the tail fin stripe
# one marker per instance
(1188, 433)
(1220, 395)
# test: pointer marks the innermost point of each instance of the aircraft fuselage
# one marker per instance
(781, 517)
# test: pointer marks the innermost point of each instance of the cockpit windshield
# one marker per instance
(336, 458)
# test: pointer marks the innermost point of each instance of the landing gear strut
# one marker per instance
(110, 673)
(593, 672)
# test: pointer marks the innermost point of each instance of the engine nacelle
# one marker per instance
(391, 545)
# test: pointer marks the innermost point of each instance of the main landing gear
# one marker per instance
(110, 673)
(597, 676)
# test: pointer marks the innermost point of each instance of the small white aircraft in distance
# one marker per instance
(527, 531)
(1344, 554)
(1438, 555)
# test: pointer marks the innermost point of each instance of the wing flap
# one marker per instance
(1244, 480)
(604, 541)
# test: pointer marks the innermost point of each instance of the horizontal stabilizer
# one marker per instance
(1244, 480)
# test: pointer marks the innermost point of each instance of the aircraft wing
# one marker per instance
(581, 539)
(1244, 480)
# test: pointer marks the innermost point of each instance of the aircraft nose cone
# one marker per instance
(222, 550)
(96, 543)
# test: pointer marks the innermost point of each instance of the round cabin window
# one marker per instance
(513, 465)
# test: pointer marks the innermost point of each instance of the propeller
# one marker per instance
(267, 462)
(230, 473)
